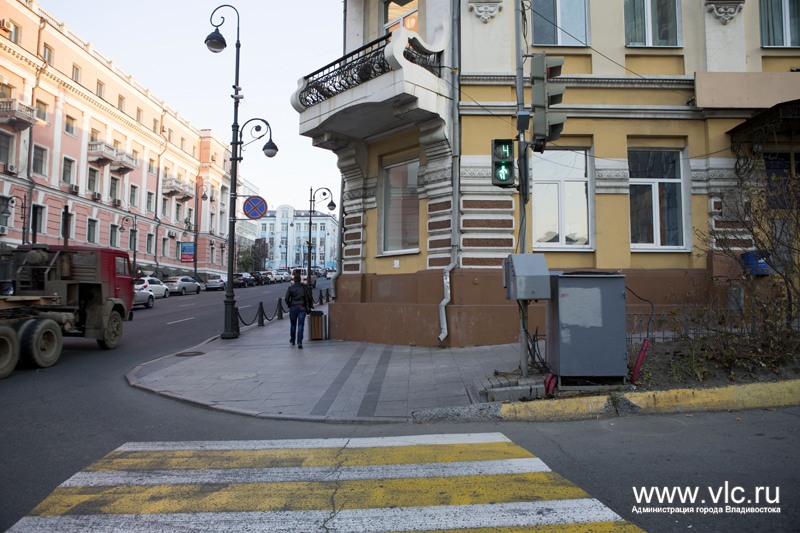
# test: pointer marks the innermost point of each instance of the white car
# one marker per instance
(182, 285)
(155, 285)
(215, 282)
(143, 297)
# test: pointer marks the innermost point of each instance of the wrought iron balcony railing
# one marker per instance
(362, 65)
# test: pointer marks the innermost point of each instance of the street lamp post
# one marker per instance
(134, 237)
(326, 192)
(198, 187)
(12, 201)
(216, 43)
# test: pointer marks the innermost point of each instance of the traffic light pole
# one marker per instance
(523, 121)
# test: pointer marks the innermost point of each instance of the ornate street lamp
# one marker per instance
(216, 43)
(326, 192)
(12, 201)
(133, 237)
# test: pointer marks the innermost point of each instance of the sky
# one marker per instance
(161, 43)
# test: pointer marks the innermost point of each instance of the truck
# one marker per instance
(58, 291)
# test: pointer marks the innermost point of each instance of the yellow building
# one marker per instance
(87, 152)
(655, 92)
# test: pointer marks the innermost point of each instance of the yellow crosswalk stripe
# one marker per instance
(433, 483)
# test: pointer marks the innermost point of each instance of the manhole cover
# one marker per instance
(188, 354)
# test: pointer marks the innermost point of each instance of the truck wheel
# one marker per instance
(113, 333)
(41, 342)
(9, 351)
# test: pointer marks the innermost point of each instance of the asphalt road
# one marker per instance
(57, 421)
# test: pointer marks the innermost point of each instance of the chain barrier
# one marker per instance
(280, 309)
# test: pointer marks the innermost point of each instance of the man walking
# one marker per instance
(299, 302)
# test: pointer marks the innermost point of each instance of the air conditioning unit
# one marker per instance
(11, 168)
(97, 196)
(171, 234)
(74, 189)
(211, 231)
(117, 202)
(5, 25)
(3, 230)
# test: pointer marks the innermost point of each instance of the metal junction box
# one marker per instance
(525, 277)
(586, 326)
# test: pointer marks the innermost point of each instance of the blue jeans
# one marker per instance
(297, 321)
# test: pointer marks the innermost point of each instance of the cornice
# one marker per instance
(591, 81)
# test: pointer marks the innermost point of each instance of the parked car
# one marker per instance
(329, 273)
(283, 275)
(182, 285)
(143, 297)
(159, 289)
(269, 277)
(304, 278)
(243, 279)
(215, 282)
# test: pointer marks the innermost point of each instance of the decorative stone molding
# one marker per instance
(724, 10)
(485, 10)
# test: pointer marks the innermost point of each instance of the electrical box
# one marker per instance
(525, 277)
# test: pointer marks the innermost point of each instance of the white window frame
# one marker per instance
(384, 213)
(42, 170)
(563, 38)
(113, 236)
(538, 177)
(91, 230)
(68, 177)
(133, 197)
(648, 27)
(6, 156)
(786, 29)
(69, 125)
(684, 180)
(96, 186)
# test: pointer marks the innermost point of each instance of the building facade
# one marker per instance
(286, 231)
(665, 100)
(88, 154)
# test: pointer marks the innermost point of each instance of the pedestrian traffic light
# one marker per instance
(503, 163)
(547, 125)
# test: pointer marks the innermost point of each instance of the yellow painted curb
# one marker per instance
(552, 410)
(750, 396)
(734, 397)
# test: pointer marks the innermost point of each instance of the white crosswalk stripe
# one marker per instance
(423, 483)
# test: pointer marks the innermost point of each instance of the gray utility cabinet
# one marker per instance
(586, 325)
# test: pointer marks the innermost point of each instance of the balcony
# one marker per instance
(174, 187)
(16, 114)
(101, 153)
(124, 163)
(392, 82)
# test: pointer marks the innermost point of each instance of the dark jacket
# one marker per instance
(298, 295)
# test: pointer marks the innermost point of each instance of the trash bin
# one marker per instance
(317, 323)
(754, 263)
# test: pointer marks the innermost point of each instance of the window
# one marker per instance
(135, 155)
(560, 22)
(5, 210)
(114, 192)
(151, 200)
(133, 197)
(92, 180)
(67, 170)
(139, 115)
(132, 237)
(37, 218)
(91, 230)
(121, 103)
(5, 148)
(155, 125)
(656, 198)
(94, 136)
(101, 89)
(780, 22)
(399, 12)
(40, 160)
(15, 35)
(6, 91)
(178, 212)
(41, 110)
(400, 217)
(164, 206)
(47, 54)
(151, 166)
(69, 125)
(561, 199)
(164, 246)
(113, 237)
(652, 23)
(76, 73)
(149, 243)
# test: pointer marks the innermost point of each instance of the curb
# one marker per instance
(733, 397)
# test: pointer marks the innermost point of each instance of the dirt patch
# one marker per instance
(675, 364)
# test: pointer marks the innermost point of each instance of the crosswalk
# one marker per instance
(462, 482)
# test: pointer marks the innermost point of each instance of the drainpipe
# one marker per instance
(455, 118)
(28, 228)
(158, 188)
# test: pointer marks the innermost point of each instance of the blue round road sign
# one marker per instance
(254, 207)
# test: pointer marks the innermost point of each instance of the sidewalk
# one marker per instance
(261, 374)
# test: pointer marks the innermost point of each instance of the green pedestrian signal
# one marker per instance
(503, 163)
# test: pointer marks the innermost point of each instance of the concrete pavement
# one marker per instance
(260, 374)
